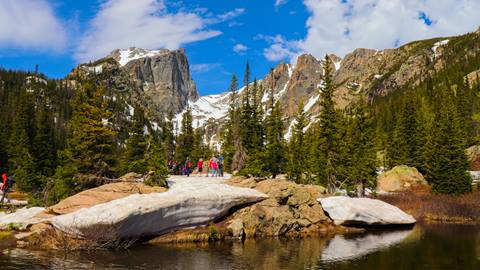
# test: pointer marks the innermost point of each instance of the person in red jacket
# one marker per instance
(3, 185)
(200, 167)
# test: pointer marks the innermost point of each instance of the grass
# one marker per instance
(428, 207)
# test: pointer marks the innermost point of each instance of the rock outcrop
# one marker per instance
(400, 178)
(20, 219)
(473, 154)
(363, 211)
(162, 76)
(102, 194)
(291, 210)
(156, 213)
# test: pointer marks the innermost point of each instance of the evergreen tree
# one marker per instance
(360, 155)
(133, 157)
(230, 127)
(156, 163)
(89, 149)
(44, 149)
(19, 147)
(297, 151)
(326, 155)
(447, 164)
(186, 138)
(274, 148)
(169, 136)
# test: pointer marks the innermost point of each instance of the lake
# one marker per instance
(420, 247)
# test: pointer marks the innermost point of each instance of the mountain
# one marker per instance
(160, 80)
(374, 72)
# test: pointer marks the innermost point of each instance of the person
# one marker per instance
(7, 182)
(220, 165)
(213, 166)
(200, 167)
(188, 167)
(206, 167)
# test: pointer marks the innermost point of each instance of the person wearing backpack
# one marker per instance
(7, 183)
(188, 167)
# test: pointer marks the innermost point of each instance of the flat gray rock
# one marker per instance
(363, 211)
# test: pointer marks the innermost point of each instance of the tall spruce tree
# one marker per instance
(297, 151)
(360, 156)
(21, 158)
(89, 149)
(231, 128)
(186, 138)
(274, 148)
(447, 164)
(169, 136)
(327, 136)
(133, 157)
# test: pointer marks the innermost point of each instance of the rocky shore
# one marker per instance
(194, 209)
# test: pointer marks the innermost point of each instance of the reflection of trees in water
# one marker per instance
(426, 246)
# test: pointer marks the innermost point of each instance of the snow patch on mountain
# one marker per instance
(136, 53)
(437, 45)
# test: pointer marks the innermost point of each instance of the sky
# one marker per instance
(219, 36)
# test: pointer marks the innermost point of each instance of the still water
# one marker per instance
(421, 247)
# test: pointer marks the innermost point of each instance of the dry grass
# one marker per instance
(95, 239)
(426, 206)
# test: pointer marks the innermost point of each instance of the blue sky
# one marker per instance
(219, 36)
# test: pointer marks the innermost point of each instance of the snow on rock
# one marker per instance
(363, 211)
(136, 53)
(437, 45)
(337, 64)
(311, 102)
(193, 202)
(21, 219)
(378, 76)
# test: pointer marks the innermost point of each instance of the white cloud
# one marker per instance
(341, 26)
(240, 48)
(231, 14)
(200, 68)
(30, 24)
(280, 2)
(280, 48)
(140, 23)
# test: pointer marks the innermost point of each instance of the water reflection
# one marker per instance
(345, 247)
(425, 247)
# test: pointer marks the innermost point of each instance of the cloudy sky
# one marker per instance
(219, 36)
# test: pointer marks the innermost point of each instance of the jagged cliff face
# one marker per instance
(162, 76)
(159, 80)
(374, 73)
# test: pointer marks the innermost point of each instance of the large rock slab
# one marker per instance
(363, 211)
(400, 178)
(20, 219)
(102, 194)
(184, 205)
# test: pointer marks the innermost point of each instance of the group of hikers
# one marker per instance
(212, 167)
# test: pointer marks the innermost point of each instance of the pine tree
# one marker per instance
(186, 138)
(360, 156)
(156, 163)
(274, 148)
(327, 136)
(406, 146)
(230, 127)
(133, 157)
(297, 151)
(447, 164)
(21, 157)
(169, 136)
(44, 149)
(89, 149)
